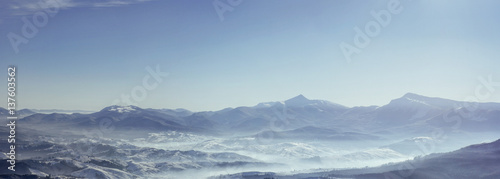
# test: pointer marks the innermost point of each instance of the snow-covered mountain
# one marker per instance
(280, 115)
(120, 117)
(411, 113)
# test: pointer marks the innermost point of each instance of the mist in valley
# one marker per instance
(297, 138)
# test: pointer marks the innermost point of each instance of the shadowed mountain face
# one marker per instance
(316, 133)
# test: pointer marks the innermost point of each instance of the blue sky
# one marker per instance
(91, 52)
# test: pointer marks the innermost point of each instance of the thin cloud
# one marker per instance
(113, 3)
(26, 7)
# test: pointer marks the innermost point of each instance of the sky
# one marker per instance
(87, 55)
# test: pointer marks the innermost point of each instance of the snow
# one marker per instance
(122, 109)
(267, 104)
(417, 101)
(108, 173)
(37, 172)
(421, 139)
(4, 156)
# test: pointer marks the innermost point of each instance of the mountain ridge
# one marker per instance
(299, 100)
(408, 114)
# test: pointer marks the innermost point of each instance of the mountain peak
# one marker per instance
(297, 101)
(416, 98)
(412, 96)
(299, 97)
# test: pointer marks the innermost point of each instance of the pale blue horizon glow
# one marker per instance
(87, 56)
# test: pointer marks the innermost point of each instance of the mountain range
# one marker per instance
(410, 114)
